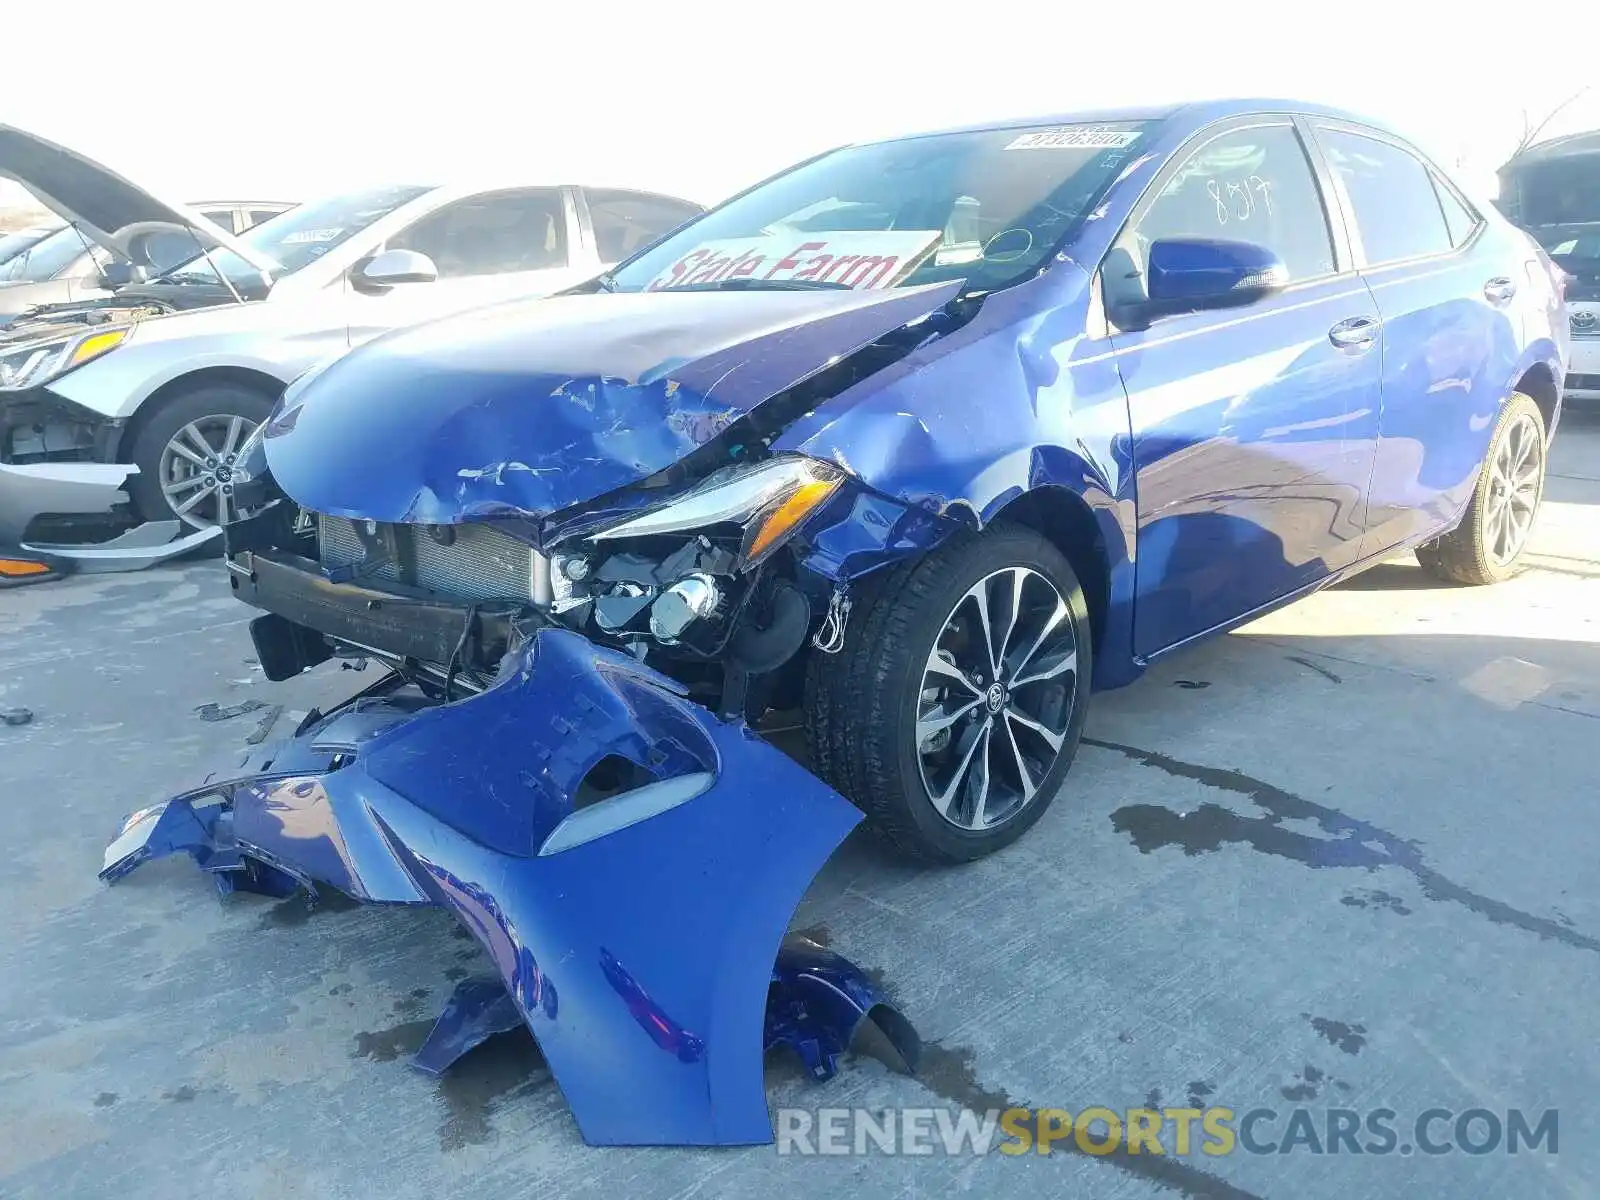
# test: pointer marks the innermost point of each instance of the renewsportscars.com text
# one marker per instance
(1211, 1131)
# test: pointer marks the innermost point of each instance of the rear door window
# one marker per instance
(222, 218)
(492, 234)
(625, 222)
(1397, 209)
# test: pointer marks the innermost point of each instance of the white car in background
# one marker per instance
(120, 422)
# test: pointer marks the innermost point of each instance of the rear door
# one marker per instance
(487, 247)
(1253, 427)
(1445, 290)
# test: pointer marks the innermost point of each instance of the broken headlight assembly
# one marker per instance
(33, 363)
(679, 571)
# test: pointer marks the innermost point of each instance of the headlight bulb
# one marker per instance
(573, 567)
(691, 599)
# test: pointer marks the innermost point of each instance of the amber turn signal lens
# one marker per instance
(17, 568)
(790, 513)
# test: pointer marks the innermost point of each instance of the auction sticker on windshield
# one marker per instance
(862, 259)
(1074, 137)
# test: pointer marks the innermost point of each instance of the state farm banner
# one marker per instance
(854, 258)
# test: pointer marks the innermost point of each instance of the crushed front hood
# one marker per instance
(108, 208)
(528, 408)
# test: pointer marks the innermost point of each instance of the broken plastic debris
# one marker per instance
(211, 712)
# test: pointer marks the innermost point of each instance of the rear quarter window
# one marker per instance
(1459, 217)
(1397, 208)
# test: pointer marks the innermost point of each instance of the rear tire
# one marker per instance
(879, 722)
(1488, 545)
(183, 454)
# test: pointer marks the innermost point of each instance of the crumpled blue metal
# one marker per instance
(526, 408)
(643, 953)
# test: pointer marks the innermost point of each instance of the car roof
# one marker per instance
(243, 203)
(1571, 145)
(1196, 113)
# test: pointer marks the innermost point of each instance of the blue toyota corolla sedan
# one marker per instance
(925, 439)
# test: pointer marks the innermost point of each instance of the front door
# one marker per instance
(1253, 427)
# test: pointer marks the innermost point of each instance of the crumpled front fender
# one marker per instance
(637, 934)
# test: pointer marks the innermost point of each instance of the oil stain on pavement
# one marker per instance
(1349, 1038)
(1351, 842)
(508, 1064)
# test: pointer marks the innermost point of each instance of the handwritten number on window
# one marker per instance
(1240, 200)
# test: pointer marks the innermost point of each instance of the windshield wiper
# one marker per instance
(749, 283)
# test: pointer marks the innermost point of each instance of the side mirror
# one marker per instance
(383, 271)
(1195, 274)
(120, 274)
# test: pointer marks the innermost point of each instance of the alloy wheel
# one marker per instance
(197, 466)
(1516, 483)
(997, 698)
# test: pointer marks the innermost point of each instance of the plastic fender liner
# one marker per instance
(637, 942)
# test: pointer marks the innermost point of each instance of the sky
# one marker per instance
(291, 99)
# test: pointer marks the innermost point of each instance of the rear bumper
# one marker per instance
(1583, 370)
(1582, 385)
(639, 934)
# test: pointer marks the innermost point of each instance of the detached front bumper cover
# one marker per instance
(81, 490)
(639, 935)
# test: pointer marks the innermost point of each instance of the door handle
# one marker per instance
(1354, 333)
(1499, 290)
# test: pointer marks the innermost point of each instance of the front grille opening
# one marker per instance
(611, 776)
(471, 563)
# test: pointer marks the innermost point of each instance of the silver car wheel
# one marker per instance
(997, 698)
(1516, 484)
(196, 469)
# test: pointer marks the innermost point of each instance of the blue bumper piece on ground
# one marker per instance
(629, 862)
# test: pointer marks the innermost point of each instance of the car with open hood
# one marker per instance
(120, 418)
(67, 271)
(114, 233)
(922, 440)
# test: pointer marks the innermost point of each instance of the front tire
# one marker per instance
(956, 705)
(185, 454)
(1488, 545)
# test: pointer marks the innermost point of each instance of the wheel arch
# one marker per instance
(1065, 520)
(1539, 381)
(267, 385)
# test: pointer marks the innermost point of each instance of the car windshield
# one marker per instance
(46, 258)
(12, 244)
(1565, 191)
(299, 237)
(988, 206)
